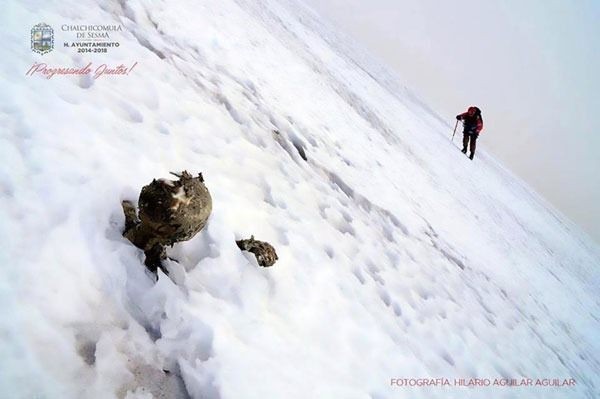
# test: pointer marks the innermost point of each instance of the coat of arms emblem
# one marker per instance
(42, 38)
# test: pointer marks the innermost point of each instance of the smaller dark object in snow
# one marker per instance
(264, 252)
(169, 212)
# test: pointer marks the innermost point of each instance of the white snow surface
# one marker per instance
(398, 256)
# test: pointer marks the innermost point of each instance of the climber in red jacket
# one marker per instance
(473, 124)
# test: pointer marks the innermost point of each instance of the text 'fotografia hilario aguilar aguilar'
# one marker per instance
(482, 382)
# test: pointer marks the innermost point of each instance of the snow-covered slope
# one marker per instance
(398, 256)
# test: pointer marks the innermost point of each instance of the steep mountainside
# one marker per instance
(398, 256)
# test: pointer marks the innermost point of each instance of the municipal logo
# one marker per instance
(42, 38)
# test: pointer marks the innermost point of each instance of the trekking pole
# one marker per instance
(454, 131)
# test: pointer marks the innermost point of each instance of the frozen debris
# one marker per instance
(264, 252)
(169, 212)
(180, 198)
(167, 182)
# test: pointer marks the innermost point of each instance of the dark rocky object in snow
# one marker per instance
(169, 212)
(264, 252)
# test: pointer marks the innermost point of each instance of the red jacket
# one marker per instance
(472, 123)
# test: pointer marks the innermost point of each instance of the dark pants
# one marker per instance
(473, 138)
